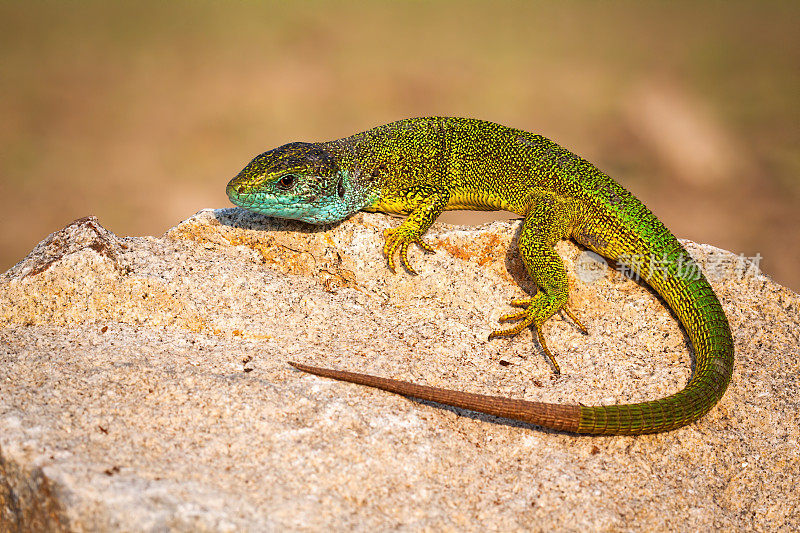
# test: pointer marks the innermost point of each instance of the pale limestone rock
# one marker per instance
(144, 387)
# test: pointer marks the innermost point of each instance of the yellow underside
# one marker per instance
(463, 200)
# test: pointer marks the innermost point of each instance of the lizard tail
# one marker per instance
(698, 310)
(549, 415)
(702, 316)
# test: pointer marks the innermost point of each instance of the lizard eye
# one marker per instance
(286, 182)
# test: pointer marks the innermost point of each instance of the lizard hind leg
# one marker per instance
(546, 223)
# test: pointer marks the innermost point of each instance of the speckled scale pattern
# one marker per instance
(421, 167)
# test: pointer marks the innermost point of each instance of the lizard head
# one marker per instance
(300, 181)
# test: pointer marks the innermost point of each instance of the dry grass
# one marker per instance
(139, 113)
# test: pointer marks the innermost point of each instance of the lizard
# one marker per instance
(420, 167)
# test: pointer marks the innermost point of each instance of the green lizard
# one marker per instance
(422, 166)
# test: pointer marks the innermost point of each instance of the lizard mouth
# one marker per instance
(233, 190)
(239, 194)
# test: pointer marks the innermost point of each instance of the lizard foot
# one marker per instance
(536, 311)
(399, 239)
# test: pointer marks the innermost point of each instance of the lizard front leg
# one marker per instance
(547, 222)
(428, 205)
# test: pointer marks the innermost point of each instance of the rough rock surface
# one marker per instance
(144, 387)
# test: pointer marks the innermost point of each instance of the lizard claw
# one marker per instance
(535, 312)
(398, 240)
(577, 322)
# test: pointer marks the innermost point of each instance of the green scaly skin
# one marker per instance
(423, 166)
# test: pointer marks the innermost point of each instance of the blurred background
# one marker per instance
(140, 112)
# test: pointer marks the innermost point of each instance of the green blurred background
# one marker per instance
(140, 112)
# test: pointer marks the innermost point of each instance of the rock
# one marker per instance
(144, 386)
